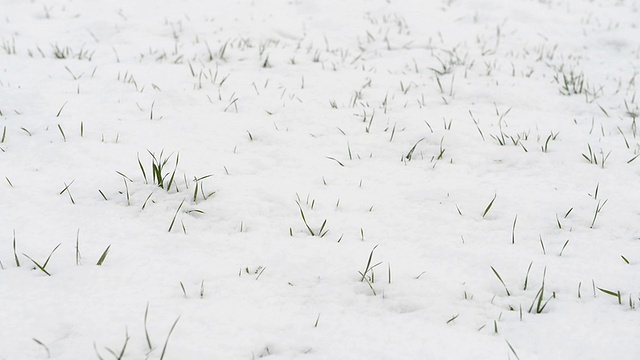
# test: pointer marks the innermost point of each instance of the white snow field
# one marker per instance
(303, 179)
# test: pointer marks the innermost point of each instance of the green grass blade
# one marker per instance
(103, 256)
(144, 173)
(175, 216)
(500, 278)
(608, 292)
(304, 219)
(36, 264)
(368, 267)
(526, 279)
(489, 206)
(49, 257)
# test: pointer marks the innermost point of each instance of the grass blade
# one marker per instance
(564, 246)
(500, 278)
(513, 230)
(489, 206)
(526, 279)
(512, 349)
(146, 331)
(175, 215)
(164, 348)
(49, 257)
(104, 256)
(413, 148)
(60, 111)
(36, 264)
(15, 254)
(64, 137)
(144, 174)
(368, 267)
(304, 219)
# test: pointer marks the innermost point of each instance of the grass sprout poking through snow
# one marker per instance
(66, 189)
(103, 256)
(370, 279)
(538, 306)
(160, 176)
(598, 210)
(146, 331)
(501, 281)
(175, 216)
(571, 84)
(164, 348)
(43, 346)
(409, 155)
(612, 293)
(15, 254)
(304, 97)
(321, 233)
(120, 355)
(43, 267)
(486, 210)
(198, 182)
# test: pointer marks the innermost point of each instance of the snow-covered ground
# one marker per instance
(359, 179)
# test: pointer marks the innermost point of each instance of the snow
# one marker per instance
(436, 139)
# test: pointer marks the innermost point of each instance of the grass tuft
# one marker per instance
(539, 298)
(369, 268)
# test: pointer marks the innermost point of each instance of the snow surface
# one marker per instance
(438, 137)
